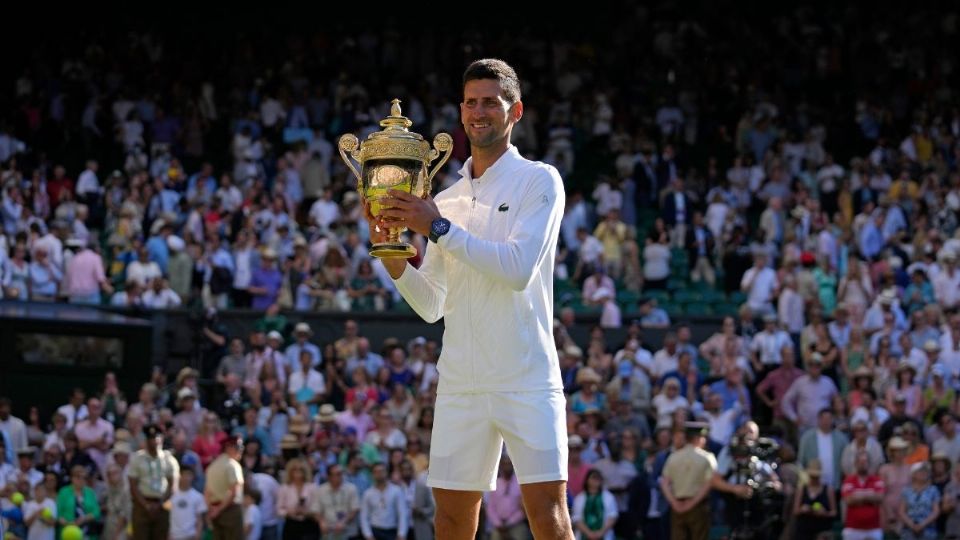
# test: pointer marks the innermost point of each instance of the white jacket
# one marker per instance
(493, 285)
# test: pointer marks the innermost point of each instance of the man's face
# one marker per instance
(406, 471)
(899, 408)
(379, 473)
(350, 329)
(948, 425)
(335, 475)
(4, 411)
(825, 421)
(714, 402)
(94, 408)
(486, 115)
(786, 357)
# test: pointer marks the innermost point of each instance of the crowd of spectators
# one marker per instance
(802, 167)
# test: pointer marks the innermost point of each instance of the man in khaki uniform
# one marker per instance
(153, 473)
(224, 491)
(687, 478)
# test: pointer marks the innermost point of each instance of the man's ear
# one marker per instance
(516, 111)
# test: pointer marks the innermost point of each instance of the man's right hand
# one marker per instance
(378, 232)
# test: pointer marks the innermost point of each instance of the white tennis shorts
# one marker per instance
(469, 431)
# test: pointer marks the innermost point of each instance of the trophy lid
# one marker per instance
(396, 125)
(395, 140)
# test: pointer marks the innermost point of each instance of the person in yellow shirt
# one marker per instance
(612, 232)
(904, 188)
(224, 491)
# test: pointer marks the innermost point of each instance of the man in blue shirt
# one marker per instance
(157, 247)
(302, 333)
(370, 361)
(731, 388)
(684, 374)
(871, 239)
(266, 281)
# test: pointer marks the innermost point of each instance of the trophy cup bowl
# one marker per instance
(394, 158)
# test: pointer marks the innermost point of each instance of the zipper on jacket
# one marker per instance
(473, 353)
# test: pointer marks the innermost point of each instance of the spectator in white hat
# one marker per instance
(301, 335)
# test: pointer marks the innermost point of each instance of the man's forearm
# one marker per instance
(395, 267)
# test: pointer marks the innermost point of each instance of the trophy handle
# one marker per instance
(443, 142)
(349, 144)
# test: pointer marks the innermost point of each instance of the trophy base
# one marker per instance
(390, 250)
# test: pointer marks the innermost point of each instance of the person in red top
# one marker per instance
(863, 493)
(59, 182)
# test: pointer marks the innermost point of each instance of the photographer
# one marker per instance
(749, 462)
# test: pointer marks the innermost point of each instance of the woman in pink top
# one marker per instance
(295, 498)
(209, 441)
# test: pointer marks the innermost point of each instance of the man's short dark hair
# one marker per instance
(825, 410)
(493, 68)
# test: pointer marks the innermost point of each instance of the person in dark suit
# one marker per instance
(677, 212)
(700, 244)
(668, 169)
(645, 172)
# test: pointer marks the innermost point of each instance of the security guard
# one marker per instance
(153, 474)
(224, 491)
(687, 478)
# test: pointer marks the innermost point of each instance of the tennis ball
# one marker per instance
(17, 498)
(71, 532)
(46, 513)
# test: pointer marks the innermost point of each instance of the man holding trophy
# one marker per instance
(488, 271)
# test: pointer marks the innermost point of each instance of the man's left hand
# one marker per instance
(402, 209)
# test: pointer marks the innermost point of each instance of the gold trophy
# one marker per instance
(395, 158)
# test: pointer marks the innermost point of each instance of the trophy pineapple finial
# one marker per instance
(396, 121)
